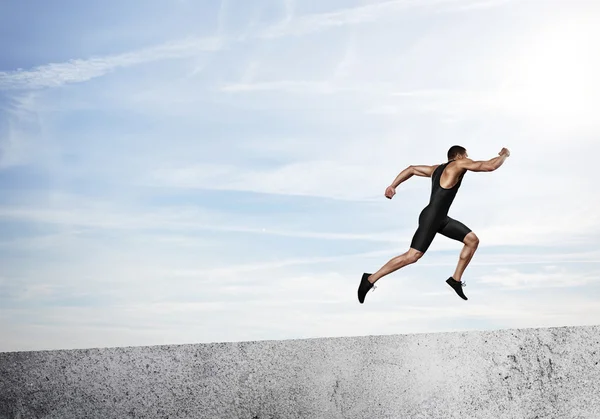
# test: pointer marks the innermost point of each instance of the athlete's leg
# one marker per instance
(471, 242)
(458, 231)
(396, 263)
(428, 226)
(420, 243)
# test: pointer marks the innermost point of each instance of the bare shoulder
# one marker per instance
(463, 163)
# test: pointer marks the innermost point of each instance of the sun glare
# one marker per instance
(555, 73)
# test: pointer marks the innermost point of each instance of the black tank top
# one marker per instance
(442, 198)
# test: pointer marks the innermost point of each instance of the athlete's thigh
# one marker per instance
(428, 226)
(454, 229)
(423, 238)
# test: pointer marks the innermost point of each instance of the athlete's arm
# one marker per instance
(410, 171)
(424, 171)
(475, 166)
(484, 165)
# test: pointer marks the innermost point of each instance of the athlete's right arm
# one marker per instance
(484, 165)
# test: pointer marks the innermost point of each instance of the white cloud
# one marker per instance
(23, 128)
(475, 5)
(372, 12)
(81, 70)
(328, 179)
(308, 306)
(550, 277)
(105, 217)
(285, 86)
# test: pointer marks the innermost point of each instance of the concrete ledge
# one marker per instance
(525, 373)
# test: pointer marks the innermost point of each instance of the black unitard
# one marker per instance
(434, 217)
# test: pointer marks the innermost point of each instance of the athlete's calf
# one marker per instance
(471, 242)
(408, 258)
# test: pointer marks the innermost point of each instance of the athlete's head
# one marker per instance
(457, 152)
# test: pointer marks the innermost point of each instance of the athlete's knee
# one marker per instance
(414, 255)
(472, 240)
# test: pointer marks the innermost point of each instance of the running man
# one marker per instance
(446, 180)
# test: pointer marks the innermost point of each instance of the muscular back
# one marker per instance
(451, 175)
(443, 193)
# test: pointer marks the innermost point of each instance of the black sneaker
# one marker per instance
(364, 287)
(457, 286)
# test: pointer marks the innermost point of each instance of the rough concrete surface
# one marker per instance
(526, 373)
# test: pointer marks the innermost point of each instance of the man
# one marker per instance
(446, 180)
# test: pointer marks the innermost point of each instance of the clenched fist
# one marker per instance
(390, 192)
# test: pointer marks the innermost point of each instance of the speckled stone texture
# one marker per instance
(526, 373)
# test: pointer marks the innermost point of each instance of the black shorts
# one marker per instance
(430, 225)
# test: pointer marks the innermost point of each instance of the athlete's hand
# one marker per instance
(504, 152)
(390, 192)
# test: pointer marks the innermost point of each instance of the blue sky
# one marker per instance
(191, 172)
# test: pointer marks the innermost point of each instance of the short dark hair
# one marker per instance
(455, 150)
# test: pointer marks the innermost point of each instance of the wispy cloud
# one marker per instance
(80, 70)
(290, 86)
(23, 126)
(315, 305)
(290, 7)
(549, 277)
(372, 12)
(311, 178)
(222, 16)
(458, 5)
(175, 219)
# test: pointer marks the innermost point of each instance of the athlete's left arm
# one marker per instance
(410, 171)
(425, 171)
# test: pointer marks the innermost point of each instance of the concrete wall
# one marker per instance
(531, 373)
